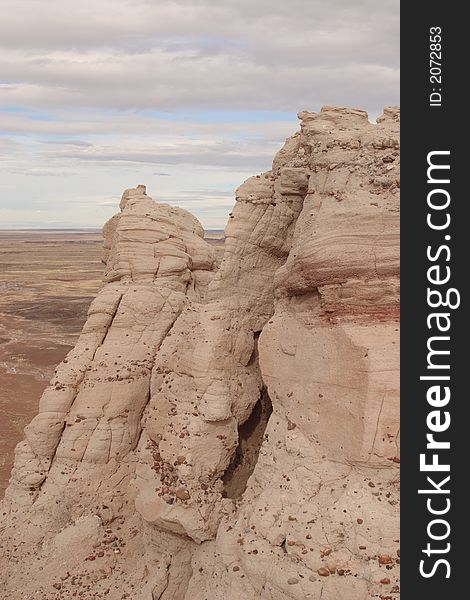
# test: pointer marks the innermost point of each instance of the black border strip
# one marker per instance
(430, 127)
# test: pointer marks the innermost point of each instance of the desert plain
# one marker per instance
(48, 279)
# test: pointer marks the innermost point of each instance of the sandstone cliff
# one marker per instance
(229, 431)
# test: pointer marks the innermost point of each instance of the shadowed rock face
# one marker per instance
(133, 477)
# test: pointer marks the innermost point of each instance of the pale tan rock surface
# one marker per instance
(230, 432)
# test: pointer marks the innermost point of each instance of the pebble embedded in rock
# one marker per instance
(183, 494)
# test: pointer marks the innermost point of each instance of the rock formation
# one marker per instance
(229, 432)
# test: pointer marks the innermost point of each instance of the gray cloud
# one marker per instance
(111, 123)
(107, 91)
(230, 156)
(160, 81)
(79, 143)
(202, 26)
(236, 55)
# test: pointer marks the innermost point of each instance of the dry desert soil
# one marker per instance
(48, 279)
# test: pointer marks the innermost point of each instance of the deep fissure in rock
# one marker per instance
(250, 438)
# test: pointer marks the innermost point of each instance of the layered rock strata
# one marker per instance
(230, 431)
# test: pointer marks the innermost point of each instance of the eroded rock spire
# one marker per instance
(232, 431)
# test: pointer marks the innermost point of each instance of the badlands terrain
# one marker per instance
(227, 427)
(48, 279)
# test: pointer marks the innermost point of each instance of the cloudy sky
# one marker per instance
(189, 97)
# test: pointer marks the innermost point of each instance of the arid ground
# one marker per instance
(47, 281)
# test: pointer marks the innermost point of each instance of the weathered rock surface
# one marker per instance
(229, 432)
